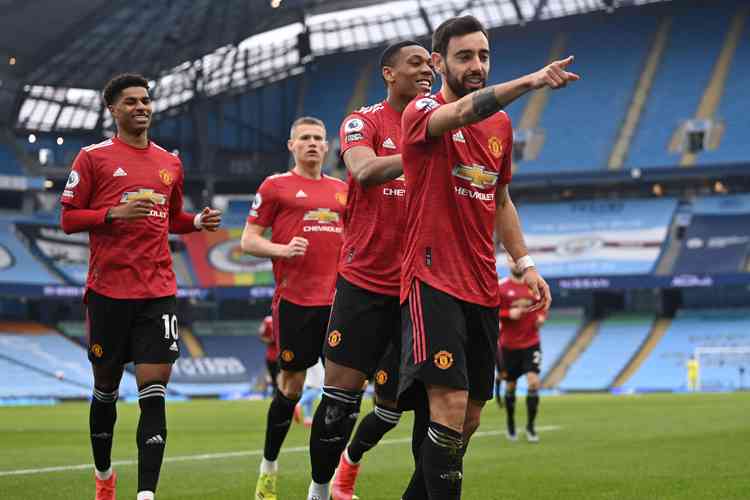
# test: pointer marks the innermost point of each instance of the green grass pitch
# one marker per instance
(592, 447)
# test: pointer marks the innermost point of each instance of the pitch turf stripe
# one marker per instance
(233, 454)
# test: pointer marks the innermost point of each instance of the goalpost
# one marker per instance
(725, 356)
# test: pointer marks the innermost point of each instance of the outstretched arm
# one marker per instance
(477, 106)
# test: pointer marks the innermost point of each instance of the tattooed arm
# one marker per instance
(477, 106)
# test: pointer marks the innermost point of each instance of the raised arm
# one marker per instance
(369, 169)
(477, 106)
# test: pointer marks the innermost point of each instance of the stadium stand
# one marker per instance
(338, 75)
(596, 237)
(665, 369)
(717, 234)
(17, 264)
(57, 366)
(9, 165)
(691, 52)
(617, 339)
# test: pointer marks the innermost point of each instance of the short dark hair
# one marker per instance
(117, 84)
(388, 57)
(453, 27)
(306, 120)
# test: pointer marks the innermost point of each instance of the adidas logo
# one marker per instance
(458, 136)
(119, 172)
(388, 144)
(300, 194)
(156, 440)
(174, 347)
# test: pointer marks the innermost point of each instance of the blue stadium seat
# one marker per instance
(666, 367)
(617, 340)
(18, 265)
(694, 43)
(581, 122)
(9, 164)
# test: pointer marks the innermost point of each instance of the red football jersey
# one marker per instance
(375, 216)
(451, 184)
(267, 332)
(292, 205)
(129, 259)
(523, 332)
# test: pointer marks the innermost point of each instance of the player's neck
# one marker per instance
(397, 102)
(516, 279)
(139, 141)
(448, 94)
(308, 170)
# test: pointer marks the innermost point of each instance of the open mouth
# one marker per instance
(474, 82)
(424, 84)
(141, 118)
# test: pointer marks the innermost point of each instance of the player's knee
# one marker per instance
(449, 408)
(291, 384)
(341, 409)
(471, 424)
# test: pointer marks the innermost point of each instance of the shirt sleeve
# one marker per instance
(415, 119)
(356, 130)
(180, 222)
(80, 184)
(265, 205)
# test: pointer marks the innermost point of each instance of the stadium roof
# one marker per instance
(65, 51)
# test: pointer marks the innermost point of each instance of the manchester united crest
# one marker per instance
(334, 338)
(287, 355)
(443, 360)
(97, 350)
(341, 198)
(495, 147)
(166, 177)
(381, 377)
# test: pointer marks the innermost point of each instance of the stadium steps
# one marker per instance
(579, 344)
(359, 94)
(23, 328)
(671, 251)
(534, 109)
(625, 137)
(192, 343)
(658, 329)
(712, 95)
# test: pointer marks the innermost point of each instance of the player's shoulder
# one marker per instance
(335, 180)
(276, 180)
(99, 146)
(163, 152)
(356, 120)
(504, 282)
(424, 102)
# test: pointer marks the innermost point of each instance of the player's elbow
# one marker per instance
(248, 244)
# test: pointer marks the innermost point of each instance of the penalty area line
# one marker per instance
(230, 454)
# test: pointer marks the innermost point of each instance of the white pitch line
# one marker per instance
(231, 454)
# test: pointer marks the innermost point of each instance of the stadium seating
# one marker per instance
(666, 369)
(48, 365)
(602, 237)
(581, 122)
(717, 234)
(617, 340)
(17, 264)
(691, 52)
(9, 164)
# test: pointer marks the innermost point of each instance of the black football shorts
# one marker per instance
(137, 330)
(519, 362)
(301, 331)
(447, 342)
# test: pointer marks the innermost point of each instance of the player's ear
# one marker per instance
(388, 74)
(290, 145)
(437, 62)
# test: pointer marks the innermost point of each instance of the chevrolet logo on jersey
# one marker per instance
(144, 194)
(476, 174)
(322, 215)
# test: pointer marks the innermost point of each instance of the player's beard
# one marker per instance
(456, 85)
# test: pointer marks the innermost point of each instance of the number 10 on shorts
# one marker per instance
(170, 326)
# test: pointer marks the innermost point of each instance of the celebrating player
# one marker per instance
(519, 352)
(457, 162)
(305, 211)
(364, 331)
(126, 192)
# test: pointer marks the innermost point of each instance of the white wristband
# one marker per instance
(525, 262)
(198, 221)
